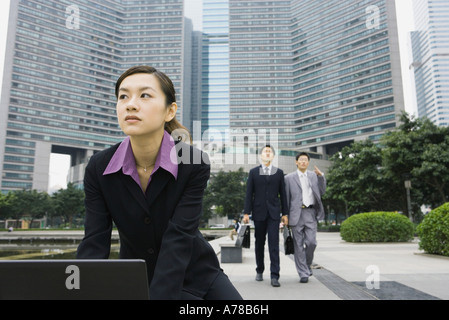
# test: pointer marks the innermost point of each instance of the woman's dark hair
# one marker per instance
(168, 89)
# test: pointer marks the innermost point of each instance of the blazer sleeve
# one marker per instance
(178, 239)
(96, 243)
(321, 184)
(249, 193)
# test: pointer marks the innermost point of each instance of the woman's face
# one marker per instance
(141, 105)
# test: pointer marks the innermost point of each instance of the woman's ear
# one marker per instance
(171, 112)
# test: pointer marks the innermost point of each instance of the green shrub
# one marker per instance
(433, 231)
(377, 227)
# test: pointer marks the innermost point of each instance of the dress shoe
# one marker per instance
(275, 283)
(304, 280)
(259, 277)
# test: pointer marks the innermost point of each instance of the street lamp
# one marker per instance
(408, 186)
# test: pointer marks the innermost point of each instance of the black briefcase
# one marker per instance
(244, 237)
(288, 242)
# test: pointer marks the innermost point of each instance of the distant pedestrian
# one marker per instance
(304, 189)
(235, 230)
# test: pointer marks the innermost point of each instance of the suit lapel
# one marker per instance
(176, 187)
(313, 186)
(296, 179)
(157, 184)
(262, 175)
(135, 191)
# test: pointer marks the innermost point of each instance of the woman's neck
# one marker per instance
(146, 149)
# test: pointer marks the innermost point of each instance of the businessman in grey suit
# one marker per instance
(304, 189)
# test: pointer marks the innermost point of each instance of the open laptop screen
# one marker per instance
(73, 279)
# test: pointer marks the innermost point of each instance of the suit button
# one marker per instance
(147, 220)
(150, 251)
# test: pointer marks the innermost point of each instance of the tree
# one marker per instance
(419, 151)
(355, 181)
(368, 177)
(29, 204)
(226, 191)
(6, 203)
(434, 171)
(69, 202)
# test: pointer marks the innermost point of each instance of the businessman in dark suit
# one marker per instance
(266, 200)
(151, 188)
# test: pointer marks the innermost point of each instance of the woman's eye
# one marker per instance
(145, 95)
(122, 96)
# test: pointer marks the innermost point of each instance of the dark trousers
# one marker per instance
(261, 229)
(221, 289)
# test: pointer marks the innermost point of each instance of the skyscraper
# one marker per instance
(62, 60)
(215, 67)
(430, 46)
(321, 73)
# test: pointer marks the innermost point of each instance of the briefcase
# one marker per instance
(288, 242)
(244, 237)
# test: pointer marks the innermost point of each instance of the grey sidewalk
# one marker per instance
(404, 272)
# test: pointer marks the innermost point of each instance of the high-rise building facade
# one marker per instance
(322, 74)
(215, 68)
(430, 46)
(62, 60)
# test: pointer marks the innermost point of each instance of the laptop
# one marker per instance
(73, 279)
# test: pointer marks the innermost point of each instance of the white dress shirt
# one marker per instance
(265, 172)
(307, 194)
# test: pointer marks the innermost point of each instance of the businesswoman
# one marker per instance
(152, 187)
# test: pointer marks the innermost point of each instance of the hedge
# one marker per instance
(433, 231)
(377, 227)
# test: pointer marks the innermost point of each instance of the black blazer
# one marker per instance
(161, 227)
(265, 196)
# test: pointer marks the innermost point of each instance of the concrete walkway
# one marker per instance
(342, 270)
(347, 271)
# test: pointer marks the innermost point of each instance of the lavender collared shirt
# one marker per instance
(123, 158)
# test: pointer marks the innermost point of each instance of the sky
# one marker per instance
(59, 164)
